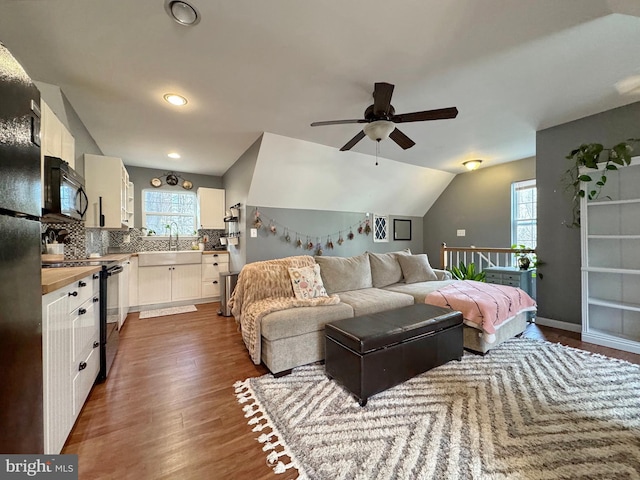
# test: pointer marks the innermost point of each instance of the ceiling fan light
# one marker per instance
(379, 130)
(472, 164)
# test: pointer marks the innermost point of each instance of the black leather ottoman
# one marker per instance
(372, 353)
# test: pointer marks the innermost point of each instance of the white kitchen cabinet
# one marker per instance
(107, 179)
(211, 208)
(610, 230)
(212, 266)
(169, 283)
(123, 293)
(70, 354)
(56, 140)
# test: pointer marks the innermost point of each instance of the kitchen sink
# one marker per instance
(169, 257)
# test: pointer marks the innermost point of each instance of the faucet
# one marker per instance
(172, 245)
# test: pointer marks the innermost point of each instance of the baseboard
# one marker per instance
(198, 301)
(548, 322)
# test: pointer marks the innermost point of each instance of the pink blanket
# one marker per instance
(484, 304)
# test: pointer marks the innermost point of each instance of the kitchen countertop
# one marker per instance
(55, 278)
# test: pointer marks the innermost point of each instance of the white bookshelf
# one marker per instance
(610, 235)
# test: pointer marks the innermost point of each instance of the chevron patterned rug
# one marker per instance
(527, 410)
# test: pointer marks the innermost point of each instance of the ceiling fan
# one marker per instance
(381, 119)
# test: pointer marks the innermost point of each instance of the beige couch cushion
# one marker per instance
(298, 321)
(372, 300)
(416, 268)
(418, 290)
(385, 269)
(343, 274)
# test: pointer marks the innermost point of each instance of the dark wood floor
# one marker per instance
(168, 410)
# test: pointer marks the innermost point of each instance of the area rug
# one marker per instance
(161, 312)
(527, 410)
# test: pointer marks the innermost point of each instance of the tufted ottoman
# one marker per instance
(371, 353)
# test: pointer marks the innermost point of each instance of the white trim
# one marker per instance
(611, 341)
(548, 322)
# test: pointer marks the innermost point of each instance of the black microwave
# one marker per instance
(64, 197)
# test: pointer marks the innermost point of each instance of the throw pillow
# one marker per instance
(416, 268)
(385, 269)
(307, 282)
(343, 274)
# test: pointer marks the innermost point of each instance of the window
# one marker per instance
(524, 213)
(162, 207)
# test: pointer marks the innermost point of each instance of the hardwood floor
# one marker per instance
(168, 410)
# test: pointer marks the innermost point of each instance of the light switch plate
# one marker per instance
(461, 233)
(254, 233)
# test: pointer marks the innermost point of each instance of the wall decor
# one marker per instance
(172, 179)
(401, 229)
(380, 228)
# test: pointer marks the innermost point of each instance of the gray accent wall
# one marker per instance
(141, 178)
(317, 224)
(478, 202)
(559, 293)
(237, 182)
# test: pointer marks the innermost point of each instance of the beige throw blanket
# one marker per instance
(263, 288)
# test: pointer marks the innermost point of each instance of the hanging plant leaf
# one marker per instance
(584, 178)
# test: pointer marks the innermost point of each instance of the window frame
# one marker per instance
(515, 222)
(163, 235)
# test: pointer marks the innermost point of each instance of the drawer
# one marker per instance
(210, 289)
(211, 271)
(513, 283)
(80, 292)
(84, 379)
(494, 278)
(86, 328)
(515, 277)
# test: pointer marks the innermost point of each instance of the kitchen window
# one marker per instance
(163, 207)
(524, 213)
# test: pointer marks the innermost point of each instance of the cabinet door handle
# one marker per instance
(96, 344)
(73, 294)
(82, 311)
(215, 254)
(215, 281)
(82, 284)
(215, 264)
(96, 299)
(96, 276)
(82, 365)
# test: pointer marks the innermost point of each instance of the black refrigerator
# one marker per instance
(21, 424)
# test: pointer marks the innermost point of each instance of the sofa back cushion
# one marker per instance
(416, 268)
(385, 269)
(344, 274)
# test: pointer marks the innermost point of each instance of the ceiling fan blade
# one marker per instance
(439, 114)
(338, 122)
(382, 98)
(351, 143)
(401, 139)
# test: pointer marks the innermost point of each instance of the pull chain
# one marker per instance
(377, 150)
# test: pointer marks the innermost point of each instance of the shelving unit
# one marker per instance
(611, 260)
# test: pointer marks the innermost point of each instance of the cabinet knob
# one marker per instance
(96, 276)
(215, 281)
(82, 311)
(73, 294)
(82, 284)
(96, 344)
(96, 299)
(82, 365)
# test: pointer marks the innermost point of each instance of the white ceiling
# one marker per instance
(510, 66)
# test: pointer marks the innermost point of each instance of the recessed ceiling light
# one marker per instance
(173, 155)
(175, 99)
(182, 12)
(629, 85)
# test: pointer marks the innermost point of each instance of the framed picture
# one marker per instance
(380, 228)
(401, 229)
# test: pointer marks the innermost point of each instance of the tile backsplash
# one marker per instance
(81, 241)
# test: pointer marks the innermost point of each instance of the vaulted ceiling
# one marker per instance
(511, 67)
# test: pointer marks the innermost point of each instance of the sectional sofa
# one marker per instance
(365, 284)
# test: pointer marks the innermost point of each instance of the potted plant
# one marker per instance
(589, 155)
(523, 259)
(467, 272)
